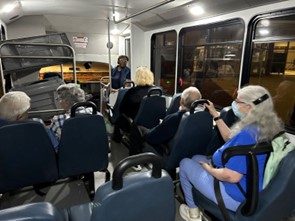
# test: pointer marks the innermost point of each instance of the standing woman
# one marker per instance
(120, 73)
(258, 123)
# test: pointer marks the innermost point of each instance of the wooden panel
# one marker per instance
(93, 74)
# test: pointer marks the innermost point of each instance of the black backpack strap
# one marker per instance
(220, 201)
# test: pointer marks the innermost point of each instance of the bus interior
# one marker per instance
(216, 46)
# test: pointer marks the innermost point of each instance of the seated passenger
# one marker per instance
(67, 95)
(255, 107)
(14, 106)
(167, 128)
(143, 80)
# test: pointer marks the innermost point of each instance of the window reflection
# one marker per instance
(163, 60)
(273, 63)
(210, 60)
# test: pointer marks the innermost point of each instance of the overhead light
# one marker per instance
(116, 15)
(9, 7)
(115, 31)
(196, 10)
(264, 31)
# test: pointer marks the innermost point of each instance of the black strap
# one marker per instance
(241, 189)
(219, 199)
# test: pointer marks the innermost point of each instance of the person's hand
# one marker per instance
(160, 121)
(211, 109)
(206, 165)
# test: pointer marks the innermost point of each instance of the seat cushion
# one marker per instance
(42, 211)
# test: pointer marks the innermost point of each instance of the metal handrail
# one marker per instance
(36, 57)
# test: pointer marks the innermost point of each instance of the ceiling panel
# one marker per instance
(172, 13)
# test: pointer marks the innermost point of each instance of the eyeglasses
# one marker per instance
(124, 60)
(239, 102)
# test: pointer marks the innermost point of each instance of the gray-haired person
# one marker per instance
(67, 95)
(14, 106)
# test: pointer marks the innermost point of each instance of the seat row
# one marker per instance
(27, 157)
(196, 133)
(141, 196)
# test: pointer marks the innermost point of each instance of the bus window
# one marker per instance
(163, 60)
(210, 58)
(273, 62)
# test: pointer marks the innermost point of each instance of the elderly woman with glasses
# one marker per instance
(254, 107)
(121, 72)
(67, 95)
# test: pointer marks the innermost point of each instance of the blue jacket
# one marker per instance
(118, 77)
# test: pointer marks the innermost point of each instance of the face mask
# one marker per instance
(236, 111)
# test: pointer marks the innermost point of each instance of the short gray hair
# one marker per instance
(190, 95)
(70, 94)
(13, 104)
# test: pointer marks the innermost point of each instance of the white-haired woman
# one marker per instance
(254, 107)
(67, 95)
(144, 80)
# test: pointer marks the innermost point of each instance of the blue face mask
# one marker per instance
(236, 111)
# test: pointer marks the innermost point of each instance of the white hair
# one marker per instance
(13, 104)
(262, 113)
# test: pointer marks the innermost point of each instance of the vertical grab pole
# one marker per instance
(109, 45)
(106, 88)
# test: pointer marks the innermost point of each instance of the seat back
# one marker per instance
(152, 109)
(115, 110)
(41, 211)
(228, 116)
(192, 137)
(217, 141)
(142, 196)
(83, 145)
(174, 104)
(27, 156)
(276, 201)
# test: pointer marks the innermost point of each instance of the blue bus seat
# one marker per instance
(174, 104)
(217, 141)
(84, 146)
(143, 196)
(114, 112)
(152, 109)
(275, 202)
(27, 156)
(192, 137)
(42, 211)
